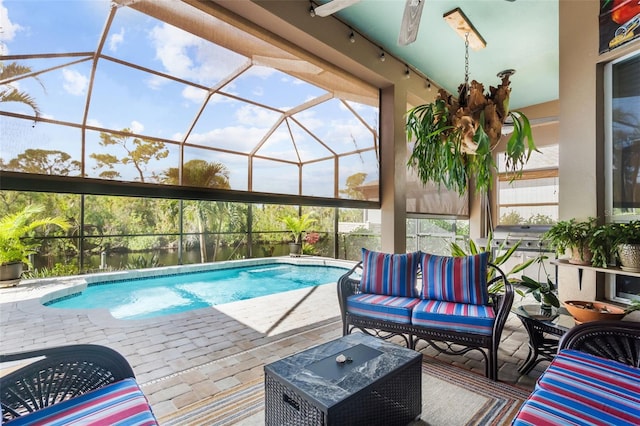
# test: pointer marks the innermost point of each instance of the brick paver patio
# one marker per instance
(182, 358)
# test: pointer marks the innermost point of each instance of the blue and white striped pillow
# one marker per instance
(389, 274)
(455, 279)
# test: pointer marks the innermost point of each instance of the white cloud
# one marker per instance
(9, 29)
(116, 39)
(74, 82)
(186, 56)
(94, 122)
(155, 82)
(241, 138)
(136, 127)
(252, 114)
(258, 91)
(194, 94)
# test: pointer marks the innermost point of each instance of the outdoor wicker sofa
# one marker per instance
(419, 296)
(593, 380)
(73, 384)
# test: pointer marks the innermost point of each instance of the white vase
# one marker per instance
(629, 255)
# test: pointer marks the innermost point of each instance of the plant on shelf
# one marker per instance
(297, 225)
(627, 244)
(603, 244)
(573, 235)
(15, 246)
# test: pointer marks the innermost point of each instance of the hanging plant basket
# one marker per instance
(455, 137)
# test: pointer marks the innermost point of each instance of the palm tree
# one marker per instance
(203, 174)
(10, 93)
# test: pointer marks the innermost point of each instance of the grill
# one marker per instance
(531, 245)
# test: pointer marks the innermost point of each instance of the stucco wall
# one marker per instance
(581, 123)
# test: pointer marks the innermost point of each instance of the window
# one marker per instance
(622, 138)
(532, 198)
(622, 157)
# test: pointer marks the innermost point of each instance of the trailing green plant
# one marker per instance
(454, 138)
(297, 225)
(603, 244)
(16, 228)
(571, 233)
(626, 232)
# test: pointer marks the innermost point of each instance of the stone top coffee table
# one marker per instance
(380, 383)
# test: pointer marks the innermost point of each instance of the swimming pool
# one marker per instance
(153, 296)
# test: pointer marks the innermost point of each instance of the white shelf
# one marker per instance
(610, 270)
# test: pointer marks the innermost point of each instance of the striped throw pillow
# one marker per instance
(389, 274)
(455, 279)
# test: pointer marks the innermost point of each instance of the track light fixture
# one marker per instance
(312, 11)
(428, 85)
(381, 56)
(352, 37)
(407, 72)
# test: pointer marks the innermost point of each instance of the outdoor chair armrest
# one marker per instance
(348, 284)
(502, 301)
(615, 340)
(57, 374)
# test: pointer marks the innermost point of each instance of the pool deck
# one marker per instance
(183, 358)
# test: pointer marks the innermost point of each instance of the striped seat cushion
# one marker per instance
(390, 274)
(579, 388)
(462, 317)
(121, 403)
(455, 279)
(387, 308)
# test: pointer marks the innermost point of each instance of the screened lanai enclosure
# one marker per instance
(165, 134)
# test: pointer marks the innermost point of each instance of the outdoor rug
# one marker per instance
(450, 396)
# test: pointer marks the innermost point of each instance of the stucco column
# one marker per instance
(578, 165)
(393, 169)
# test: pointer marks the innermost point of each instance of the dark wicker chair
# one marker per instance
(57, 374)
(616, 340)
(446, 341)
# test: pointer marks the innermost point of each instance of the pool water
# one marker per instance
(170, 294)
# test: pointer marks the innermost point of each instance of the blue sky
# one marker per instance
(151, 105)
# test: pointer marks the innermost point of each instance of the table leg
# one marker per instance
(540, 348)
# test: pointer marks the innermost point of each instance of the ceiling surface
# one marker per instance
(520, 35)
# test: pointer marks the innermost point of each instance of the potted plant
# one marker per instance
(543, 292)
(455, 137)
(627, 245)
(573, 235)
(603, 243)
(297, 225)
(15, 246)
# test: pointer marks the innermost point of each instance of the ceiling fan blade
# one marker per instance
(410, 22)
(333, 6)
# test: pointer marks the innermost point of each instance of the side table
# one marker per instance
(380, 384)
(541, 323)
